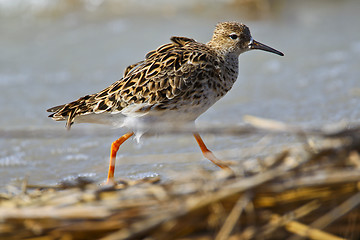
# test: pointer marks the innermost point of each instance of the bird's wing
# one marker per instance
(166, 73)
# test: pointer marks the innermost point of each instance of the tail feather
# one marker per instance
(56, 108)
(68, 111)
(104, 101)
(62, 113)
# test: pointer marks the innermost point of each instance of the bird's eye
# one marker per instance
(233, 36)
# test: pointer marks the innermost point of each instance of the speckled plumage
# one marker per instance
(175, 83)
(182, 76)
(173, 77)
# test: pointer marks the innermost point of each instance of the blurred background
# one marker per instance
(55, 51)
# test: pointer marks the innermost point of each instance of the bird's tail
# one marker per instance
(69, 111)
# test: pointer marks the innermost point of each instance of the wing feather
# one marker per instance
(166, 73)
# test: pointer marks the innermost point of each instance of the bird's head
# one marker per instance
(234, 37)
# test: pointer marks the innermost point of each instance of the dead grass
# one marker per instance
(305, 191)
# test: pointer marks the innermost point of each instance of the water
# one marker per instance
(53, 53)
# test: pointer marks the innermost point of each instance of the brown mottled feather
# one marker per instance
(162, 76)
(183, 75)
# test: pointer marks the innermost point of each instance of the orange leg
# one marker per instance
(208, 154)
(114, 148)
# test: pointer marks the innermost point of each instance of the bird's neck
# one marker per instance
(231, 63)
(232, 59)
(228, 55)
(230, 71)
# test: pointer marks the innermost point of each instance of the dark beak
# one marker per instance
(256, 45)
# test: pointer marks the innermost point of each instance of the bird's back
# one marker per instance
(178, 76)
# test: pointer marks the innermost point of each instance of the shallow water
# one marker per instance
(53, 55)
